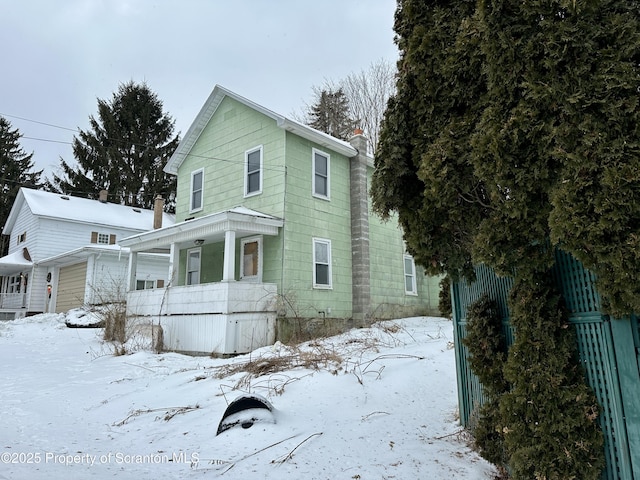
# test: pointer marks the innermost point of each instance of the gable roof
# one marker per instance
(82, 210)
(211, 105)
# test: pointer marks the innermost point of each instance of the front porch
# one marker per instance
(222, 318)
(214, 303)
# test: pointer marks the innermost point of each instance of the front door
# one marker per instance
(251, 262)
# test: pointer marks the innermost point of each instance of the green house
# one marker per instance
(273, 232)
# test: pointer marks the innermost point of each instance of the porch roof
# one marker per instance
(209, 228)
(15, 262)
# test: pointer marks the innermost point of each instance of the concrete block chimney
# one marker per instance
(360, 260)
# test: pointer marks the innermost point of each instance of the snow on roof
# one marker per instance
(13, 261)
(83, 210)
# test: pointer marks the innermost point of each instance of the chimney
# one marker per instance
(158, 208)
(361, 266)
(102, 198)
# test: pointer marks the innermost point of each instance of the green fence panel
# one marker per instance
(609, 352)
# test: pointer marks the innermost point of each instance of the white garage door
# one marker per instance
(71, 286)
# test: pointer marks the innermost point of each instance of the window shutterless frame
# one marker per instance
(409, 276)
(197, 190)
(322, 263)
(253, 171)
(321, 174)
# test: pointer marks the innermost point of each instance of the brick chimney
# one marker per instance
(158, 208)
(360, 261)
(102, 197)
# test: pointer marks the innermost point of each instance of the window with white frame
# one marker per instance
(321, 263)
(251, 251)
(102, 238)
(193, 267)
(321, 174)
(410, 276)
(145, 284)
(197, 186)
(253, 171)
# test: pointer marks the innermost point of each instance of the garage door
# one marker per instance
(71, 286)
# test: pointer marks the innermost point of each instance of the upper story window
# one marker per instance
(253, 171)
(22, 238)
(321, 263)
(103, 238)
(321, 171)
(410, 276)
(197, 186)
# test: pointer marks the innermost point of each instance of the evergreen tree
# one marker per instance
(549, 415)
(124, 152)
(538, 148)
(15, 172)
(330, 114)
(423, 162)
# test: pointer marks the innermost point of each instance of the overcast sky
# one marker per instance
(60, 56)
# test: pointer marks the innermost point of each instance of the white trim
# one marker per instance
(314, 152)
(322, 241)
(193, 209)
(246, 171)
(411, 275)
(243, 242)
(199, 269)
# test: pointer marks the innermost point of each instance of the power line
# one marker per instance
(205, 157)
(39, 122)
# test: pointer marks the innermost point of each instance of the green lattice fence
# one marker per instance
(609, 351)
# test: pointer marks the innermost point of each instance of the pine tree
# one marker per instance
(330, 114)
(125, 151)
(15, 171)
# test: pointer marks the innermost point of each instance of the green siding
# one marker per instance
(287, 193)
(234, 129)
(308, 217)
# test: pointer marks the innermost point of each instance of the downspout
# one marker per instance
(284, 214)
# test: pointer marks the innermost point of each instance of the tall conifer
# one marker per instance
(128, 145)
(16, 170)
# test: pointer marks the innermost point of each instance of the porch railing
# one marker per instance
(12, 300)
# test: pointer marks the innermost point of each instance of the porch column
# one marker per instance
(133, 267)
(229, 269)
(174, 259)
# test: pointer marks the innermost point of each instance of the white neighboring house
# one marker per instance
(63, 252)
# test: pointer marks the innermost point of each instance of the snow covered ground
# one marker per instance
(376, 403)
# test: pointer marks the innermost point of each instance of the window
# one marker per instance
(253, 172)
(193, 267)
(197, 185)
(251, 267)
(103, 238)
(321, 263)
(321, 172)
(145, 284)
(410, 276)
(22, 238)
(14, 283)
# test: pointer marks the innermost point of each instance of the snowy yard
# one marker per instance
(376, 403)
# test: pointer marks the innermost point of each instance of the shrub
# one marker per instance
(549, 413)
(487, 348)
